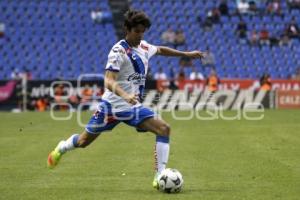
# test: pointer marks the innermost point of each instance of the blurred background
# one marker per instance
(250, 43)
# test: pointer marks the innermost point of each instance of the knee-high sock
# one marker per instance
(162, 149)
(69, 144)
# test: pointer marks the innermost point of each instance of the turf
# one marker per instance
(219, 159)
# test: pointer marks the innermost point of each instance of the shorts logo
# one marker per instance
(96, 114)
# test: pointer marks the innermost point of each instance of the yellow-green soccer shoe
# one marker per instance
(54, 157)
(155, 181)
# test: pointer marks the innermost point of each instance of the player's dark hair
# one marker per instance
(135, 17)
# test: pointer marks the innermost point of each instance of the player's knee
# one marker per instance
(82, 143)
(165, 130)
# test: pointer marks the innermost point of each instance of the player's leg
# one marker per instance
(143, 119)
(98, 123)
(74, 141)
(162, 146)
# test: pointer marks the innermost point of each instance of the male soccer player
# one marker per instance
(124, 82)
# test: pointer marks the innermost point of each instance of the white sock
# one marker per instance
(69, 144)
(162, 149)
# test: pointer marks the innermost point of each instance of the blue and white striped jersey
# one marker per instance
(131, 63)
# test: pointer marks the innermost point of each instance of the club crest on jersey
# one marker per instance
(145, 47)
(128, 51)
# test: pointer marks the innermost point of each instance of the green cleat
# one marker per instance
(155, 181)
(54, 157)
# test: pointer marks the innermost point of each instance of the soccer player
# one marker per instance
(124, 82)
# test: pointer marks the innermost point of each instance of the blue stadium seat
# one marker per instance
(45, 32)
(56, 34)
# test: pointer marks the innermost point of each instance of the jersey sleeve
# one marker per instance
(152, 49)
(115, 59)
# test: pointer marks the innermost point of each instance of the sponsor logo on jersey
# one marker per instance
(137, 78)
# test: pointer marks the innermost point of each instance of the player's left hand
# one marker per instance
(195, 54)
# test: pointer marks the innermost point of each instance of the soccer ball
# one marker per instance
(170, 181)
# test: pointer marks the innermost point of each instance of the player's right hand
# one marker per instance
(132, 98)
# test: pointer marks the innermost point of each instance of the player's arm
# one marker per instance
(167, 51)
(110, 82)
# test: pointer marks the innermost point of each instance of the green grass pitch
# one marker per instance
(219, 159)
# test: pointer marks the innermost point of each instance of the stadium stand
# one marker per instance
(234, 59)
(58, 39)
(54, 39)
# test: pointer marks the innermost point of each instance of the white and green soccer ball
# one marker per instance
(170, 181)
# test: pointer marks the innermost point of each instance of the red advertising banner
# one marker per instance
(288, 99)
(285, 85)
(7, 90)
(232, 84)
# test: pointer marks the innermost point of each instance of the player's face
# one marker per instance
(136, 34)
